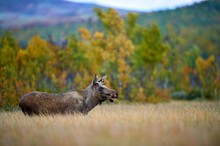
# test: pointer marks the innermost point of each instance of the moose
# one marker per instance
(71, 102)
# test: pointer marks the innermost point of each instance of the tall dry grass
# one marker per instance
(167, 124)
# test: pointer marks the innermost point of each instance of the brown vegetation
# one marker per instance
(167, 124)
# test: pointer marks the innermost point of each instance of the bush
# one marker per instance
(194, 94)
(178, 95)
(160, 95)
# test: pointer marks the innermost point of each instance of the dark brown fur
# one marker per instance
(76, 101)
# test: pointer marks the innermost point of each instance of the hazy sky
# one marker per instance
(141, 5)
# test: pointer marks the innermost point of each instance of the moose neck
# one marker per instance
(91, 100)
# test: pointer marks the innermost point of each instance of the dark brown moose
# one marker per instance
(74, 101)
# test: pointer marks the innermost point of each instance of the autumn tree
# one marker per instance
(209, 78)
(36, 63)
(149, 54)
(8, 70)
(118, 49)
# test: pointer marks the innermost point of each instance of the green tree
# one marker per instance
(9, 92)
(149, 54)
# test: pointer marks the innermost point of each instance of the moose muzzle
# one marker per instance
(113, 96)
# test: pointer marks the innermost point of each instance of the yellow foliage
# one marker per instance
(108, 83)
(62, 79)
(21, 54)
(114, 48)
(112, 20)
(98, 35)
(141, 95)
(85, 33)
(124, 72)
(208, 74)
(21, 57)
(82, 80)
(205, 64)
(38, 47)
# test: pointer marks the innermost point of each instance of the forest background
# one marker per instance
(148, 57)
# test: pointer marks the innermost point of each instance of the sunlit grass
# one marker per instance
(166, 124)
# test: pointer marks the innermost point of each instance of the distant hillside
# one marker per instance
(23, 13)
(48, 18)
(14, 14)
(198, 24)
(55, 19)
(200, 14)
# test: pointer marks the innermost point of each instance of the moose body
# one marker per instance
(75, 101)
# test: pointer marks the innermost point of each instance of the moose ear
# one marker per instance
(95, 80)
(102, 79)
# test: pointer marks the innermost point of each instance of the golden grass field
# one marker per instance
(164, 124)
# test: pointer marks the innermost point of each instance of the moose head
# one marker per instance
(101, 91)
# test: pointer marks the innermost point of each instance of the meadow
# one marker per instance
(165, 124)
